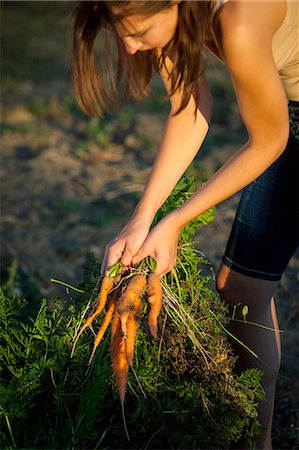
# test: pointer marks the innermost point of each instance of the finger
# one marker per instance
(103, 265)
(130, 252)
(113, 258)
(160, 270)
(140, 255)
(164, 267)
(126, 258)
(112, 254)
(106, 263)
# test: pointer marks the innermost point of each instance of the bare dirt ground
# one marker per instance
(68, 185)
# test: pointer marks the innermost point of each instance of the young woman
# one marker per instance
(258, 42)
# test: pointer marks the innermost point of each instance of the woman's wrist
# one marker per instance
(144, 213)
(173, 222)
(140, 219)
(179, 219)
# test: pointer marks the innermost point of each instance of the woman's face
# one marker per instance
(141, 33)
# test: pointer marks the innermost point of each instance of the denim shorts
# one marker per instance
(265, 232)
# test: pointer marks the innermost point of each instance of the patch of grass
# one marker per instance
(16, 282)
(100, 131)
(104, 212)
(19, 127)
(126, 114)
(146, 141)
(82, 149)
(156, 102)
(67, 205)
(39, 105)
(50, 219)
(101, 218)
(69, 105)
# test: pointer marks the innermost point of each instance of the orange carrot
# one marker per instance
(107, 319)
(106, 287)
(130, 299)
(118, 353)
(154, 290)
(119, 362)
(131, 333)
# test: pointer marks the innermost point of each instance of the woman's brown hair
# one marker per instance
(97, 87)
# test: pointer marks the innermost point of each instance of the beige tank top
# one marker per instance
(285, 46)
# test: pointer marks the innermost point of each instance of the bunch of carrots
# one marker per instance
(121, 298)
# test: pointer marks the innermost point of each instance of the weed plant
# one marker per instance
(193, 398)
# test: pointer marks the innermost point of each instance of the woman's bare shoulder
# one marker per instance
(251, 16)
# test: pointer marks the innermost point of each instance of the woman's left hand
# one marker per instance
(161, 244)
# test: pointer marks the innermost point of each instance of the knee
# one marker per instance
(231, 288)
(222, 280)
(235, 288)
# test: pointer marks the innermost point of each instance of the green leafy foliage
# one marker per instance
(193, 398)
(46, 397)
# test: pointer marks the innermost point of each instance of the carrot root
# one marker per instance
(121, 312)
(131, 333)
(107, 319)
(130, 300)
(124, 421)
(124, 316)
(119, 361)
(131, 296)
(106, 286)
(154, 289)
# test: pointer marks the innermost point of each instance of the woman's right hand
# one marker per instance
(126, 244)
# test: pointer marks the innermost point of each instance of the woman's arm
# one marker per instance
(182, 138)
(247, 51)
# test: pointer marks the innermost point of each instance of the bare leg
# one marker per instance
(257, 294)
